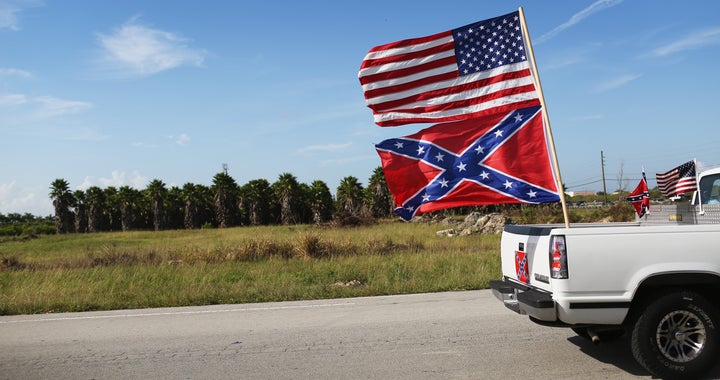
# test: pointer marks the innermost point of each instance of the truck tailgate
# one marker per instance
(525, 254)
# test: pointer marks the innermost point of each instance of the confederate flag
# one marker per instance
(500, 158)
(640, 197)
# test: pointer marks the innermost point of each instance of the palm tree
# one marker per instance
(174, 208)
(80, 206)
(112, 209)
(321, 202)
(349, 196)
(304, 204)
(95, 199)
(377, 195)
(206, 205)
(192, 197)
(256, 201)
(156, 192)
(62, 199)
(128, 200)
(287, 194)
(226, 190)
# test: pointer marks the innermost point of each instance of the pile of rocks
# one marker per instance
(475, 223)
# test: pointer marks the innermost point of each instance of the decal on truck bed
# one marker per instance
(521, 267)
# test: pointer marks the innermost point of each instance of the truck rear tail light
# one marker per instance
(558, 257)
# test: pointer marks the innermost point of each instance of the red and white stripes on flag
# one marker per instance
(679, 180)
(455, 75)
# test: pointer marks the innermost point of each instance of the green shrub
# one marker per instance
(11, 230)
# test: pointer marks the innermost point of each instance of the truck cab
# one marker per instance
(708, 188)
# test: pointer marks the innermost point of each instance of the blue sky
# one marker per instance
(113, 93)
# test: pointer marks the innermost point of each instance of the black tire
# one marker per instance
(677, 336)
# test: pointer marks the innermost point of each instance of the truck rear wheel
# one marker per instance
(677, 336)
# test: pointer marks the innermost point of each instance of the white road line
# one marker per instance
(181, 312)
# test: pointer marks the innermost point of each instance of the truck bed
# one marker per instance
(682, 214)
(606, 263)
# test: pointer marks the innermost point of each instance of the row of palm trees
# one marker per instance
(25, 218)
(223, 204)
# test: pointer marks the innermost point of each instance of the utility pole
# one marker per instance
(602, 165)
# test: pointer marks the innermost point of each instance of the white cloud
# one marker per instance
(616, 82)
(117, 178)
(8, 100)
(142, 50)
(324, 148)
(14, 199)
(694, 41)
(8, 71)
(142, 144)
(44, 106)
(595, 7)
(9, 11)
(182, 139)
(8, 17)
(51, 106)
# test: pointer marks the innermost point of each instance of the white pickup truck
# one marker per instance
(656, 280)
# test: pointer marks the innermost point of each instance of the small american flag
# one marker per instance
(679, 180)
(454, 75)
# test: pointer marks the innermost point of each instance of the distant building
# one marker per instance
(576, 193)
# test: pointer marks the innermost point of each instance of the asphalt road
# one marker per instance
(455, 335)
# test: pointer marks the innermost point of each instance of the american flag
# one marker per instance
(679, 180)
(454, 75)
(499, 159)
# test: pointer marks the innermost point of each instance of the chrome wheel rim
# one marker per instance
(680, 336)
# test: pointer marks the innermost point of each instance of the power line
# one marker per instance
(583, 184)
(600, 180)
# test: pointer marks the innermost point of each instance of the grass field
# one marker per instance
(102, 271)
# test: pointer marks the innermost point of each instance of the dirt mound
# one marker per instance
(475, 223)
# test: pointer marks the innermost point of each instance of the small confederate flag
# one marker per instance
(501, 158)
(640, 197)
(521, 267)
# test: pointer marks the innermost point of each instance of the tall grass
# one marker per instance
(247, 264)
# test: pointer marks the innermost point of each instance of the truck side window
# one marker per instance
(710, 189)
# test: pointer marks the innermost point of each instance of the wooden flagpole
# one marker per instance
(538, 88)
(697, 187)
